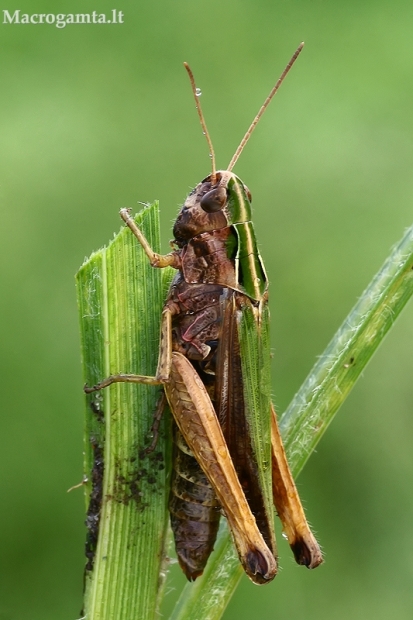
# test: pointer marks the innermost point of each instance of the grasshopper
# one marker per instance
(213, 363)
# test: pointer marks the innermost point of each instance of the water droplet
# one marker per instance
(284, 535)
(198, 92)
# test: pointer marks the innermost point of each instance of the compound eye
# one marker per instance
(214, 200)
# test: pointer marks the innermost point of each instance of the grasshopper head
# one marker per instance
(213, 205)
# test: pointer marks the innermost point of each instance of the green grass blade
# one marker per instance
(312, 410)
(338, 368)
(207, 598)
(118, 334)
(116, 286)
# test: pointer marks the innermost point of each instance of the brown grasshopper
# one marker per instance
(214, 365)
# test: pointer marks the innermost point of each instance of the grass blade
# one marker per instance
(312, 409)
(128, 493)
(119, 335)
(346, 356)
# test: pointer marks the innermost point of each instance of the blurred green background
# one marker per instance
(95, 118)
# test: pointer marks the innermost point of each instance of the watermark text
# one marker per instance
(60, 20)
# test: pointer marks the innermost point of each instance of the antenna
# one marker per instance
(263, 108)
(197, 93)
